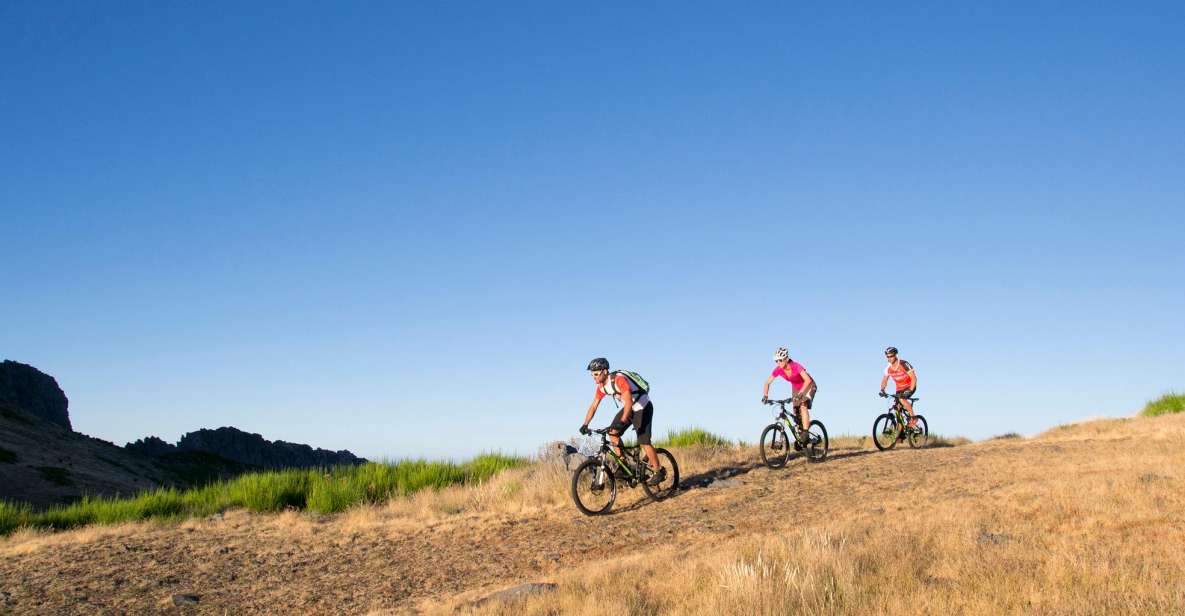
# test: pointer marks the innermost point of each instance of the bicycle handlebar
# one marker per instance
(898, 396)
(772, 402)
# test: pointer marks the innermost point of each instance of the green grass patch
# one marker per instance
(328, 490)
(1167, 404)
(12, 516)
(688, 437)
(6, 456)
(56, 475)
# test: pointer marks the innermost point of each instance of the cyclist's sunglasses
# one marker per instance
(888, 356)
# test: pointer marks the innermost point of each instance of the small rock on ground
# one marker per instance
(182, 600)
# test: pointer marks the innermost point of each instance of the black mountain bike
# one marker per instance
(776, 443)
(594, 483)
(893, 426)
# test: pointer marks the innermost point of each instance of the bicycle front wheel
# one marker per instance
(816, 447)
(885, 431)
(775, 446)
(670, 481)
(593, 487)
(919, 435)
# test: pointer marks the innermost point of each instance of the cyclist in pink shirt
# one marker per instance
(801, 384)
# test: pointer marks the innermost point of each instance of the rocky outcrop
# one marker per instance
(31, 391)
(153, 446)
(247, 448)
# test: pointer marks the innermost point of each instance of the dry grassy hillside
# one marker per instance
(1081, 520)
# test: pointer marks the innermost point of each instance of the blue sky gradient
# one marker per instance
(404, 230)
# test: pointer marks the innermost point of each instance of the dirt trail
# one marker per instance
(293, 563)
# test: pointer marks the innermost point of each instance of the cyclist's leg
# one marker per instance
(804, 409)
(616, 429)
(908, 405)
(642, 420)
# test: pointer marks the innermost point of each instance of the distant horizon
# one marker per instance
(413, 455)
(405, 230)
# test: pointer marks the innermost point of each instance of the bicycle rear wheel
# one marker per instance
(919, 435)
(816, 448)
(593, 487)
(885, 431)
(775, 446)
(669, 483)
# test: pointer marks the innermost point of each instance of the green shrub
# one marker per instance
(1171, 402)
(692, 436)
(322, 490)
(6, 456)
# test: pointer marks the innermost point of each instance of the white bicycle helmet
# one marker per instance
(781, 354)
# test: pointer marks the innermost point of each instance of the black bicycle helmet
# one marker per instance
(599, 363)
(891, 351)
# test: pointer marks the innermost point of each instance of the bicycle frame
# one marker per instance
(899, 411)
(627, 453)
(791, 419)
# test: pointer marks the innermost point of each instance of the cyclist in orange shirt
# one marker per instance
(904, 378)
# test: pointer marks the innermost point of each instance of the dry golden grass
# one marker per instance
(1085, 519)
(1104, 537)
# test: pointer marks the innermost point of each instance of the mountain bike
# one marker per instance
(776, 444)
(891, 427)
(594, 482)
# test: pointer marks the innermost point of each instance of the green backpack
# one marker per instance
(635, 378)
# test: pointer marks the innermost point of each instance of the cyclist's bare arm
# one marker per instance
(913, 380)
(592, 410)
(806, 381)
(884, 381)
(765, 392)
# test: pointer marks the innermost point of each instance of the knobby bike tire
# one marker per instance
(775, 446)
(921, 436)
(816, 450)
(885, 427)
(668, 485)
(585, 476)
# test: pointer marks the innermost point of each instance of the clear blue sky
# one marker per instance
(404, 230)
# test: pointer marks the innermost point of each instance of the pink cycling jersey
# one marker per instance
(795, 375)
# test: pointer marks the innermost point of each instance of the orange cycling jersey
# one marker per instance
(900, 374)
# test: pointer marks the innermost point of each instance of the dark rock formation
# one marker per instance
(246, 448)
(151, 446)
(31, 391)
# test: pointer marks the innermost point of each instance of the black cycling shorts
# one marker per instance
(908, 393)
(641, 421)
